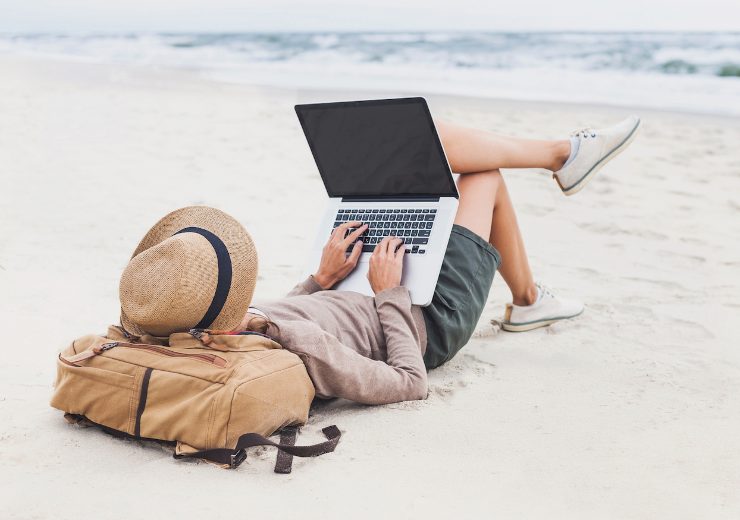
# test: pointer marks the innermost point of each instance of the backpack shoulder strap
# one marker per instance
(233, 458)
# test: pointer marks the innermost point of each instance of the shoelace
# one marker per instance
(544, 290)
(585, 133)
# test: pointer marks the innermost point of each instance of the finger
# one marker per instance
(355, 254)
(395, 246)
(382, 247)
(344, 226)
(355, 235)
(341, 229)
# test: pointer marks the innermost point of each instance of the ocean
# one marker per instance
(693, 72)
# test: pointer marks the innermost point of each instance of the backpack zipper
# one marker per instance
(208, 358)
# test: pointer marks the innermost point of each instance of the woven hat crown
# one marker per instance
(196, 268)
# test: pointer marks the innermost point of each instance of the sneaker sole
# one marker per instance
(531, 325)
(578, 186)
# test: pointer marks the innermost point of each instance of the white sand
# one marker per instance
(631, 411)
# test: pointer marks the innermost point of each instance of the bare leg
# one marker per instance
(507, 239)
(470, 150)
(486, 209)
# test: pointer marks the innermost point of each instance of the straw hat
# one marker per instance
(196, 268)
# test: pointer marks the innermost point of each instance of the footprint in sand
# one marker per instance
(613, 230)
(648, 234)
(682, 194)
(672, 287)
(653, 175)
(487, 330)
(681, 259)
(645, 313)
(690, 330)
(443, 390)
(693, 241)
(539, 211)
(588, 272)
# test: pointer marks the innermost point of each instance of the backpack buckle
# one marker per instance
(237, 458)
(196, 333)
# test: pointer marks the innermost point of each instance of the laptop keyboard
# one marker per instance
(413, 226)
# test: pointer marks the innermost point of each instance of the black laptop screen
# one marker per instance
(377, 148)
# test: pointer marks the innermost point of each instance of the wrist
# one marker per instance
(326, 282)
(380, 288)
(390, 293)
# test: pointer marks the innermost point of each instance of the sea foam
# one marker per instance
(698, 72)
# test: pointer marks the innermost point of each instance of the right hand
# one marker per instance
(335, 264)
(386, 264)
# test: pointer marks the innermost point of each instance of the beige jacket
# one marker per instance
(365, 349)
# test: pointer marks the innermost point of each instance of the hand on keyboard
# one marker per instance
(386, 265)
(335, 263)
(414, 226)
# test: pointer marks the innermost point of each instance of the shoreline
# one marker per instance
(202, 75)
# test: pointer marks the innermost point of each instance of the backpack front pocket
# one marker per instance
(166, 397)
(103, 396)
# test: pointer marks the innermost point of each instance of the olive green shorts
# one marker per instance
(462, 289)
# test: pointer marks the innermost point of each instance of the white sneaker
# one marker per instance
(595, 149)
(545, 311)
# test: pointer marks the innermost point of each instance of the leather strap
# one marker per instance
(284, 460)
(233, 458)
(76, 358)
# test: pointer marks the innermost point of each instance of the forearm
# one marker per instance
(366, 381)
(402, 337)
(339, 371)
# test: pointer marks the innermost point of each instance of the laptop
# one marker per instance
(382, 163)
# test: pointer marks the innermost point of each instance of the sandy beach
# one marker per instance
(631, 411)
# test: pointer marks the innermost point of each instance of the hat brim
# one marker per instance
(241, 250)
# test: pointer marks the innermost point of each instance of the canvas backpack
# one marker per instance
(212, 395)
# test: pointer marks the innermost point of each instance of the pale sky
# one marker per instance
(81, 16)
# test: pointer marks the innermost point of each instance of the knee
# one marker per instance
(480, 182)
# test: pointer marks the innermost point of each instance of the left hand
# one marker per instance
(335, 264)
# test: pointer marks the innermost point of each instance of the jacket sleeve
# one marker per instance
(339, 371)
(307, 286)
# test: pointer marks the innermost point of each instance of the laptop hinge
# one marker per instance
(400, 198)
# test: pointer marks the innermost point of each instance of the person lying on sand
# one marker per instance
(377, 350)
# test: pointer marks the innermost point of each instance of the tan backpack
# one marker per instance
(212, 394)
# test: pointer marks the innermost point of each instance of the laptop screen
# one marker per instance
(377, 148)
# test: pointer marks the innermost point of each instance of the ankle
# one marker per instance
(527, 297)
(560, 154)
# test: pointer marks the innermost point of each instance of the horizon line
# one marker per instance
(361, 31)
